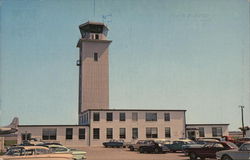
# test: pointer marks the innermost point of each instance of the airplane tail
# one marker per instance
(14, 123)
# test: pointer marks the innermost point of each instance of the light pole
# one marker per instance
(242, 120)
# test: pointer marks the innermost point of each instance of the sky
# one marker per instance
(165, 54)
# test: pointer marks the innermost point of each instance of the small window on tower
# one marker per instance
(96, 57)
(96, 36)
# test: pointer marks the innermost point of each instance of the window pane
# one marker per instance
(152, 132)
(122, 132)
(96, 116)
(96, 133)
(49, 134)
(167, 116)
(81, 133)
(151, 116)
(122, 116)
(95, 56)
(134, 133)
(201, 132)
(109, 116)
(69, 133)
(109, 133)
(134, 116)
(167, 132)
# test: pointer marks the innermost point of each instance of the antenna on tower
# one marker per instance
(107, 18)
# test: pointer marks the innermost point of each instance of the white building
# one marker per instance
(97, 122)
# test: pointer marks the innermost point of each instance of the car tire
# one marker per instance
(192, 156)
(131, 149)
(141, 150)
(226, 157)
(156, 150)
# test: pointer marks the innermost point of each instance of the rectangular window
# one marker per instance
(122, 116)
(96, 116)
(151, 132)
(201, 132)
(123, 133)
(49, 134)
(26, 136)
(134, 116)
(96, 36)
(167, 132)
(109, 133)
(96, 57)
(96, 133)
(167, 116)
(151, 116)
(134, 133)
(81, 133)
(69, 133)
(109, 116)
(216, 131)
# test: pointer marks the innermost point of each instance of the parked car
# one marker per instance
(153, 147)
(243, 153)
(209, 150)
(138, 144)
(33, 153)
(77, 154)
(178, 145)
(114, 143)
(240, 141)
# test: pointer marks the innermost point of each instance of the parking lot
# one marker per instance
(101, 153)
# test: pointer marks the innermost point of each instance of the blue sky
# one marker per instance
(171, 54)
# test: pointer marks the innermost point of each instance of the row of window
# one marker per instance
(122, 116)
(151, 132)
(216, 132)
(50, 133)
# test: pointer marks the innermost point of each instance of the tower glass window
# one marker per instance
(151, 132)
(96, 116)
(123, 133)
(122, 116)
(69, 133)
(81, 133)
(109, 133)
(95, 56)
(109, 116)
(151, 116)
(96, 133)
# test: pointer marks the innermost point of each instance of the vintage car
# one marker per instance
(77, 154)
(138, 144)
(243, 153)
(153, 147)
(114, 143)
(33, 153)
(209, 150)
(177, 145)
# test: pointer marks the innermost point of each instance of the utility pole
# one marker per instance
(242, 120)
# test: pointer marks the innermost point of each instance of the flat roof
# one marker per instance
(207, 124)
(161, 110)
(54, 125)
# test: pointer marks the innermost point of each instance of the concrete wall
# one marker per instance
(36, 132)
(176, 123)
(248, 133)
(94, 87)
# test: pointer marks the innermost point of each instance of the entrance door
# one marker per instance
(192, 135)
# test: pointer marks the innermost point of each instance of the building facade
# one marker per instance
(98, 123)
(206, 130)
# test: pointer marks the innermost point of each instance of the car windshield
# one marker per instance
(14, 152)
(232, 145)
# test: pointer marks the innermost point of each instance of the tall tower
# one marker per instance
(93, 66)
